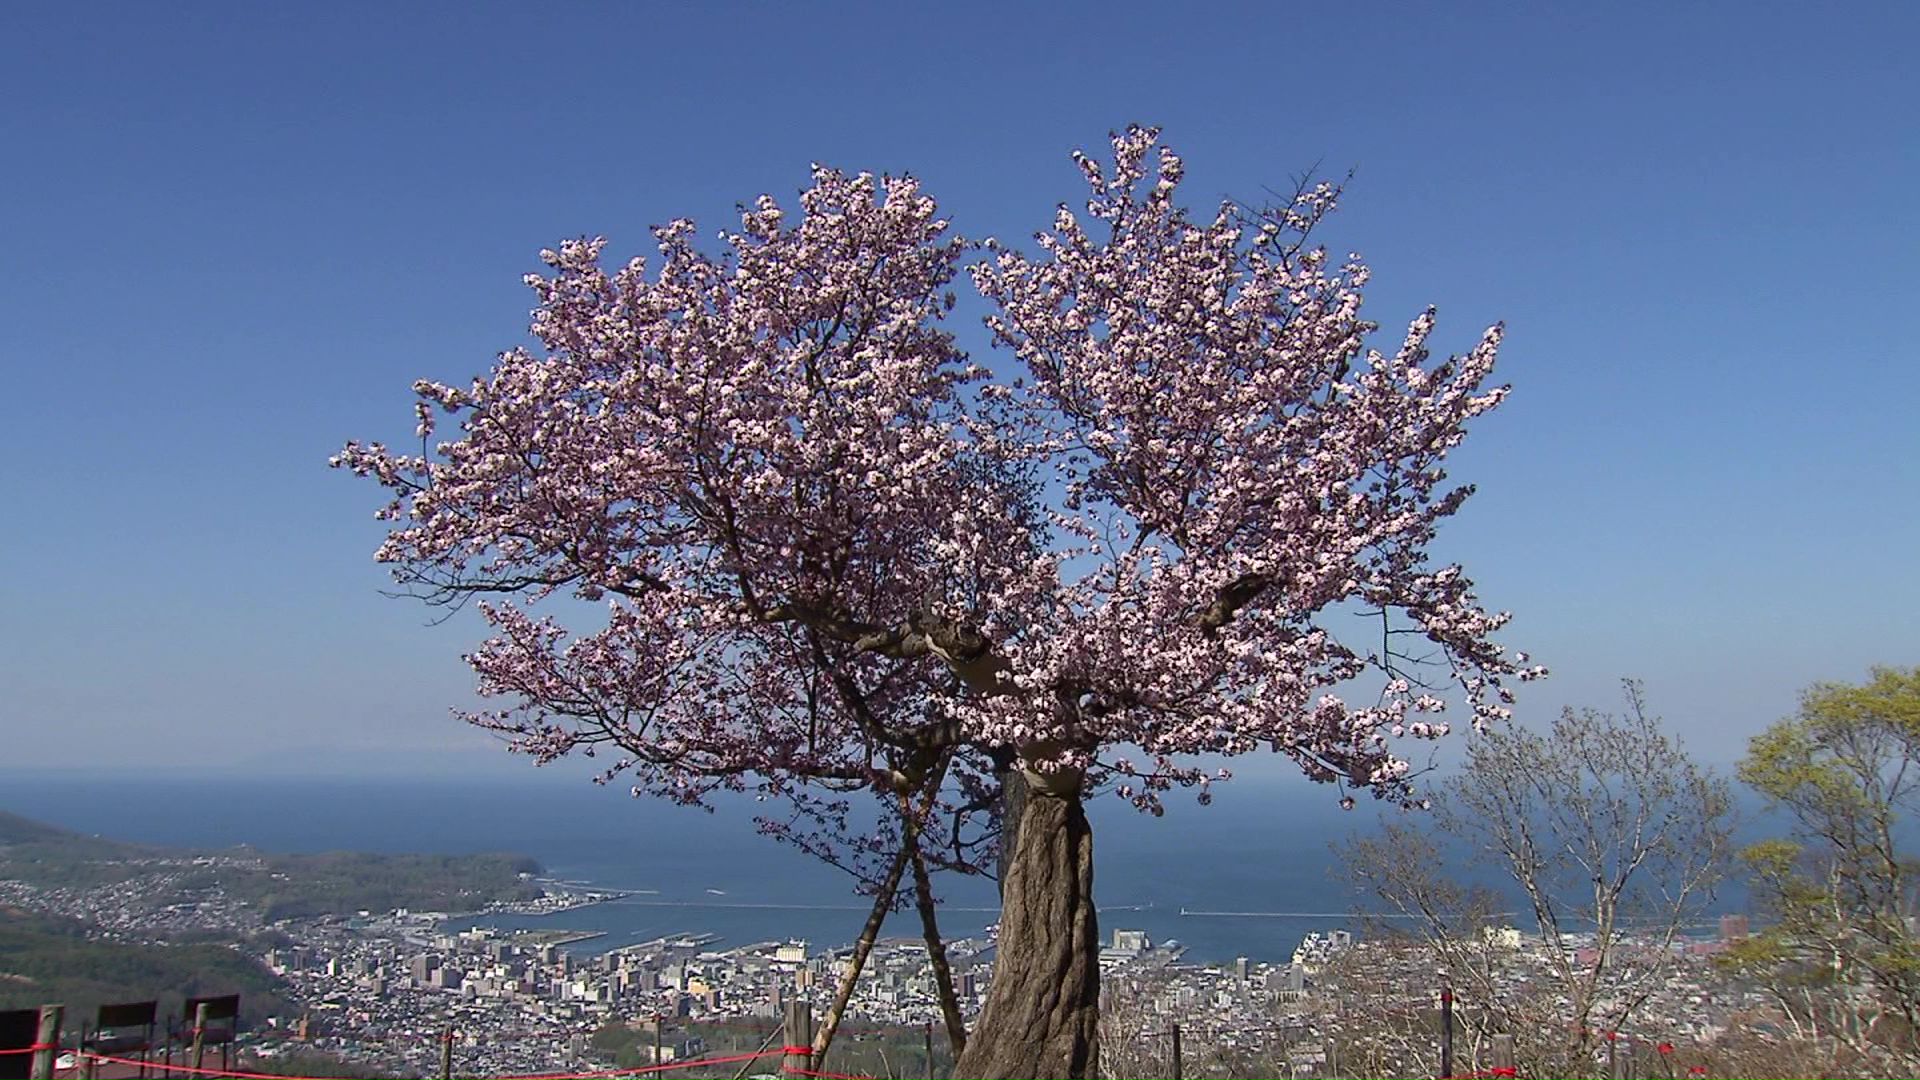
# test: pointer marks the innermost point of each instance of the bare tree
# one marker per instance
(1609, 839)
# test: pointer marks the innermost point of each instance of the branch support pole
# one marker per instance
(797, 1057)
(46, 1041)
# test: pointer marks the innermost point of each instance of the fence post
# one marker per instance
(199, 1027)
(1446, 1028)
(927, 1032)
(659, 1022)
(1178, 1070)
(446, 1055)
(797, 1055)
(1503, 1056)
(46, 1041)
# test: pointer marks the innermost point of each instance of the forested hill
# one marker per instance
(16, 831)
(272, 886)
(49, 958)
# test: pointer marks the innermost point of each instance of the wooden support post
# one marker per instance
(446, 1055)
(927, 1034)
(797, 1055)
(1179, 1067)
(1446, 1028)
(658, 1024)
(46, 1041)
(1503, 1055)
(199, 1028)
(1331, 1050)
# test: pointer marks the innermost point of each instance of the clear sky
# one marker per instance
(233, 234)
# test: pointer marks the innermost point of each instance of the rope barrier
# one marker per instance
(691, 1063)
(1664, 1048)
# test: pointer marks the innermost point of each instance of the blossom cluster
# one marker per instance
(827, 548)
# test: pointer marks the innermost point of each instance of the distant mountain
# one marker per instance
(26, 842)
(15, 829)
(274, 886)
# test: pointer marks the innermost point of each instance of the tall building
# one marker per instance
(1733, 928)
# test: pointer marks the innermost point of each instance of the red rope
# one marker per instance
(691, 1063)
(32, 1048)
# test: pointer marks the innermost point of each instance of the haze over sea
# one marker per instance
(1261, 847)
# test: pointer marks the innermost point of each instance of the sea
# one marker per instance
(1249, 875)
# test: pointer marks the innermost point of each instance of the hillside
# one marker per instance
(273, 886)
(15, 829)
(343, 882)
(24, 839)
(47, 958)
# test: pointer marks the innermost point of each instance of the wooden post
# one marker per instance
(1623, 1063)
(446, 1055)
(927, 1033)
(1503, 1055)
(1332, 1052)
(199, 1026)
(1446, 1028)
(1178, 1070)
(46, 1041)
(658, 1023)
(797, 1055)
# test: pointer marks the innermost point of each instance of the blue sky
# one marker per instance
(233, 234)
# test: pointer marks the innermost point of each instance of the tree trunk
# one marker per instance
(1042, 1013)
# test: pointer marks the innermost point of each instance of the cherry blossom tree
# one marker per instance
(753, 520)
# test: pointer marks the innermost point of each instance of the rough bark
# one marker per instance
(1013, 803)
(1042, 1013)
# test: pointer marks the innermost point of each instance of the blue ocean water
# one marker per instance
(1263, 846)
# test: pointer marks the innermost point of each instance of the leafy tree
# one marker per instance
(1841, 957)
(1604, 830)
(834, 555)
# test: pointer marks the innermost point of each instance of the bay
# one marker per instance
(1261, 849)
